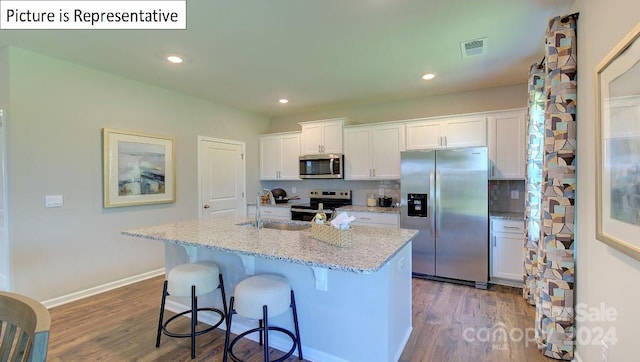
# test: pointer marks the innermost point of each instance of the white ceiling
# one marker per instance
(318, 53)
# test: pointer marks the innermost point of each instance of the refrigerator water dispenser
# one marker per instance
(417, 205)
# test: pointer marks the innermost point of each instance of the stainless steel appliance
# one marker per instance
(322, 166)
(385, 201)
(444, 194)
(330, 200)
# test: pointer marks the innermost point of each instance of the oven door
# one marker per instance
(307, 214)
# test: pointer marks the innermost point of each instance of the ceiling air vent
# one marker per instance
(474, 47)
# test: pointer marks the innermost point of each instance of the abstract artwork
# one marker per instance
(618, 146)
(138, 168)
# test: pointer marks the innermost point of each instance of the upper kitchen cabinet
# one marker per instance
(323, 136)
(372, 152)
(446, 132)
(507, 145)
(279, 154)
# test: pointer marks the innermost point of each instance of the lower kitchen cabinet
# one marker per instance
(379, 219)
(507, 252)
(270, 212)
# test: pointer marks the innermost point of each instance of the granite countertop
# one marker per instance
(285, 204)
(372, 247)
(506, 215)
(363, 208)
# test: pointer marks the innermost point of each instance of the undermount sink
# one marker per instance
(280, 225)
(284, 226)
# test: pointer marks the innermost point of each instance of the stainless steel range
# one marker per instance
(330, 200)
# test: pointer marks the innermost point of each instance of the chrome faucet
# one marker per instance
(258, 203)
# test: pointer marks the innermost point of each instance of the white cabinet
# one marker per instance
(270, 212)
(372, 152)
(379, 219)
(279, 154)
(507, 251)
(446, 132)
(322, 136)
(507, 148)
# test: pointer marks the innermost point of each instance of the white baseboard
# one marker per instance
(101, 288)
(276, 341)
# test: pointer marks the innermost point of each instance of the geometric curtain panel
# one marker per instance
(554, 295)
(533, 182)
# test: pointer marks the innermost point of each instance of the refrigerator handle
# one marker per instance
(437, 201)
(431, 201)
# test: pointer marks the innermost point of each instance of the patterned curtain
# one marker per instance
(533, 183)
(551, 282)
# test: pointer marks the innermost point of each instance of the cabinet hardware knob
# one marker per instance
(206, 206)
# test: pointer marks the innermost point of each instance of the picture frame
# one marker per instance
(618, 146)
(138, 168)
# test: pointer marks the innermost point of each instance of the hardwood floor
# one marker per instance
(450, 323)
(459, 323)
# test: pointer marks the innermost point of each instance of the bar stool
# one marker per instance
(260, 297)
(191, 280)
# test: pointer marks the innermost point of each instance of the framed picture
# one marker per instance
(139, 169)
(618, 146)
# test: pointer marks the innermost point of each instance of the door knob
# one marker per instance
(206, 206)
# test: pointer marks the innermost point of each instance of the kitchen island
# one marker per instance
(354, 304)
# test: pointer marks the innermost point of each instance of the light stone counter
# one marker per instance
(507, 215)
(372, 247)
(363, 208)
(283, 205)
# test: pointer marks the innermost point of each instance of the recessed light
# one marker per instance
(174, 59)
(283, 100)
(428, 76)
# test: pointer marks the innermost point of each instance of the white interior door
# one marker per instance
(5, 250)
(221, 168)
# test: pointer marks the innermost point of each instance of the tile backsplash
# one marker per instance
(359, 189)
(506, 195)
(500, 192)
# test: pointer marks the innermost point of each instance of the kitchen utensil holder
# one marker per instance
(331, 235)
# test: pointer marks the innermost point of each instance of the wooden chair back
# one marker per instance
(24, 328)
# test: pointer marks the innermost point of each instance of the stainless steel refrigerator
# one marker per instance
(444, 194)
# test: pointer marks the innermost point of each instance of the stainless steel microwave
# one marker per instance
(322, 166)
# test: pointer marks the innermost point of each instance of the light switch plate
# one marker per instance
(53, 201)
(515, 194)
